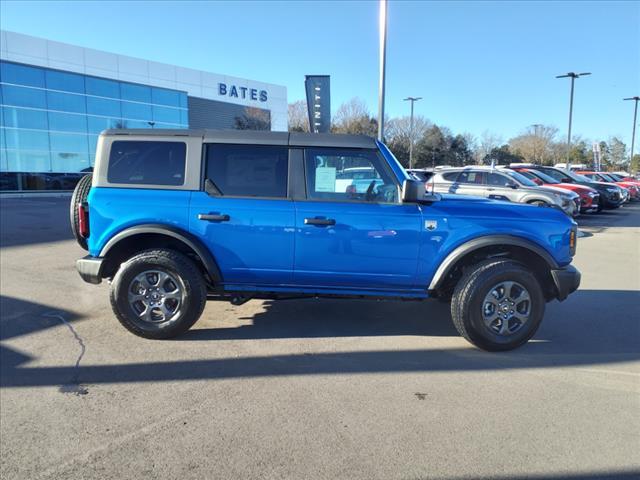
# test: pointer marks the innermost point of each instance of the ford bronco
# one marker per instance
(173, 218)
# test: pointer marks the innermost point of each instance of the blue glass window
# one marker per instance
(98, 124)
(184, 117)
(4, 166)
(69, 142)
(166, 114)
(67, 122)
(23, 97)
(17, 139)
(68, 82)
(21, 74)
(66, 102)
(102, 88)
(25, 161)
(93, 143)
(136, 111)
(103, 106)
(136, 93)
(167, 125)
(183, 100)
(69, 161)
(136, 124)
(24, 118)
(162, 96)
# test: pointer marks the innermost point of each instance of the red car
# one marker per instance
(588, 196)
(634, 189)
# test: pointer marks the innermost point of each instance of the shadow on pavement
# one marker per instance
(625, 216)
(578, 332)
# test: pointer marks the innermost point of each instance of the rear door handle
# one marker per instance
(213, 217)
(320, 222)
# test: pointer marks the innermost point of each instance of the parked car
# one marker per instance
(611, 195)
(632, 187)
(589, 197)
(174, 218)
(503, 184)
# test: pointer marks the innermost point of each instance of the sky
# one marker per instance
(479, 66)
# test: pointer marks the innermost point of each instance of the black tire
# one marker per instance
(188, 280)
(469, 295)
(79, 196)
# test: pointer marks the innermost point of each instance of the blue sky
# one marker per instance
(478, 65)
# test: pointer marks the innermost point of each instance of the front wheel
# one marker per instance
(158, 294)
(497, 305)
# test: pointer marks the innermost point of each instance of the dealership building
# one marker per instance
(56, 98)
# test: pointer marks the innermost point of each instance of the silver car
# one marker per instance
(502, 184)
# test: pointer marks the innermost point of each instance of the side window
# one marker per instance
(147, 163)
(349, 175)
(450, 176)
(248, 170)
(555, 174)
(497, 180)
(476, 178)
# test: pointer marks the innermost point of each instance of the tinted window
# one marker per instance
(147, 163)
(137, 93)
(166, 114)
(161, 96)
(25, 118)
(103, 106)
(102, 88)
(349, 175)
(248, 170)
(475, 177)
(555, 174)
(69, 143)
(67, 122)
(66, 102)
(68, 82)
(498, 180)
(450, 176)
(136, 111)
(21, 75)
(23, 97)
(27, 139)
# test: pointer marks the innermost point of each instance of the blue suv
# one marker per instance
(174, 218)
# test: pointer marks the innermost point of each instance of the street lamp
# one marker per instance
(412, 100)
(536, 126)
(383, 60)
(573, 77)
(633, 135)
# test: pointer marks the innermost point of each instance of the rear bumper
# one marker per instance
(567, 281)
(90, 269)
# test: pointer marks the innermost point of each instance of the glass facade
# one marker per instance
(50, 121)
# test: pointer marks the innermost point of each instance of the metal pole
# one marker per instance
(383, 59)
(573, 78)
(411, 139)
(635, 120)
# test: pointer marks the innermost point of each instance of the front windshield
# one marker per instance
(576, 177)
(520, 178)
(607, 177)
(544, 177)
(615, 176)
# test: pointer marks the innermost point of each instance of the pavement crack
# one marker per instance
(74, 385)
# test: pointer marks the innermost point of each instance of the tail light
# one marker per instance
(573, 238)
(83, 220)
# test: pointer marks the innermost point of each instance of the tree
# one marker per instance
(634, 165)
(503, 156)
(617, 153)
(535, 144)
(253, 119)
(353, 117)
(488, 141)
(398, 135)
(298, 116)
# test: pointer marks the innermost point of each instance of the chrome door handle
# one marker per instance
(320, 222)
(213, 217)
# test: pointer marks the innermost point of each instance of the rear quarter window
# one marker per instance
(147, 163)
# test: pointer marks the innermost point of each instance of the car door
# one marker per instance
(499, 187)
(355, 236)
(472, 182)
(243, 213)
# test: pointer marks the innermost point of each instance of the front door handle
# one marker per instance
(213, 217)
(320, 222)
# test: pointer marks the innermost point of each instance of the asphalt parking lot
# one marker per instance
(312, 389)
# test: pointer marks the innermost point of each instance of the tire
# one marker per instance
(469, 305)
(167, 317)
(79, 196)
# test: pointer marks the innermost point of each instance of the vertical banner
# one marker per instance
(596, 157)
(318, 102)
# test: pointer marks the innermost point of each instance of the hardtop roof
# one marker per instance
(255, 137)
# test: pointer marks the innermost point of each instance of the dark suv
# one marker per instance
(175, 218)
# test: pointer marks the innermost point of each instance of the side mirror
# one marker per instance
(413, 191)
(513, 185)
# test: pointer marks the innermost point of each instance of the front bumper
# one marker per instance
(567, 281)
(90, 269)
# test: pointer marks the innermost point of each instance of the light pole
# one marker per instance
(635, 117)
(536, 126)
(383, 60)
(573, 77)
(412, 100)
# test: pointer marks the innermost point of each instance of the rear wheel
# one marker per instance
(158, 294)
(497, 305)
(79, 196)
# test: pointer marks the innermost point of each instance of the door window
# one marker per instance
(472, 177)
(349, 175)
(248, 170)
(498, 180)
(145, 162)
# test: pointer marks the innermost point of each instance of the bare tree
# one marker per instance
(535, 143)
(353, 117)
(253, 119)
(298, 116)
(488, 141)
